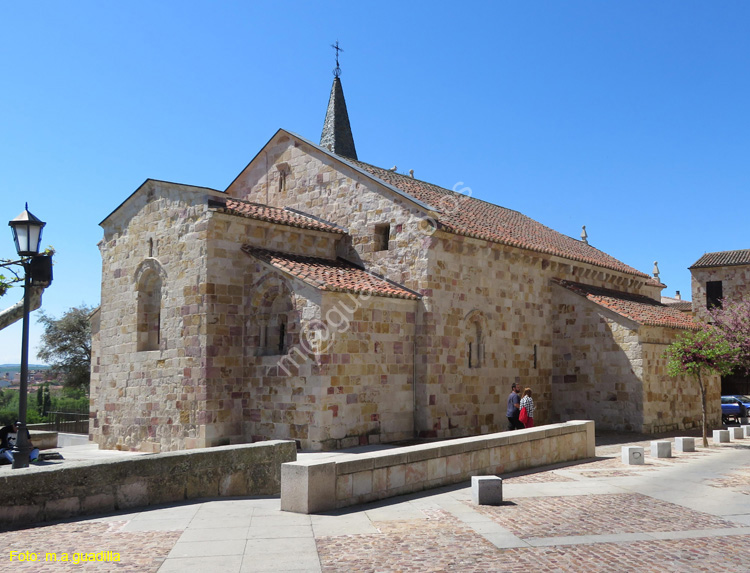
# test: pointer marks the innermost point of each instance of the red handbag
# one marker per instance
(523, 415)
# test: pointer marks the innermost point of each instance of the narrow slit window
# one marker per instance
(382, 237)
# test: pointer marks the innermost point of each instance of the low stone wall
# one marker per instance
(43, 439)
(317, 486)
(59, 491)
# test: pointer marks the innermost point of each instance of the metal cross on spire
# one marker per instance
(337, 69)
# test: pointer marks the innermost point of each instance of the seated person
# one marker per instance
(8, 436)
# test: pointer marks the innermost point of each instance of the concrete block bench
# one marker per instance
(721, 436)
(736, 433)
(746, 430)
(314, 486)
(632, 455)
(684, 444)
(661, 449)
(486, 490)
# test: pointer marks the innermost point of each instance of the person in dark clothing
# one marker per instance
(514, 408)
(8, 436)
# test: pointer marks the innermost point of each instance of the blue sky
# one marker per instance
(628, 117)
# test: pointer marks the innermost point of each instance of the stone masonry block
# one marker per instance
(486, 490)
(661, 449)
(632, 455)
(721, 436)
(684, 444)
(736, 433)
(308, 488)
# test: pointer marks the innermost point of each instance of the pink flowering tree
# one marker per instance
(699, 354)
(732, 321)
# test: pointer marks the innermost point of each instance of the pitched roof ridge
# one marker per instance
(451, 191)
(636, 297)
(295, 256)
(723, 259)
(314, 218)
(283, 216)
(348, 277)
(631, 305)
(453, 223)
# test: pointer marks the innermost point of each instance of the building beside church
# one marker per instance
(323, 299)
(715, 277)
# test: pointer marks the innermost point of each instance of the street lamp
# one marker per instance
(27, 234)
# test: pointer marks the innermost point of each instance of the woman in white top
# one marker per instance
(528, 403)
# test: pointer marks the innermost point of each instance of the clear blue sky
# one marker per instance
(628, 117)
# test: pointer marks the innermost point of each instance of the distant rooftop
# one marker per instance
(723, 259)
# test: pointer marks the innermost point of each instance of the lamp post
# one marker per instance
(27, 234)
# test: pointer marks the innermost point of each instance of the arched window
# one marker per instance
(271, 318)
(475, 335)
(149, 285)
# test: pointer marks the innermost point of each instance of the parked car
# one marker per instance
(736, 406)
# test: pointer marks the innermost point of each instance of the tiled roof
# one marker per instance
(472, 217)
(678, 303)
(638, 308)
(723, 259)
(272, 214)
(324, 274)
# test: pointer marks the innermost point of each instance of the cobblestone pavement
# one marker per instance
(687, 513)
(70, 542)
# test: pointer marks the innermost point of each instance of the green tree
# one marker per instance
(9, 409)
(698, 354)
(66, 346)
(43, 399)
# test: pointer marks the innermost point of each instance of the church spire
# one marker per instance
(337, 133)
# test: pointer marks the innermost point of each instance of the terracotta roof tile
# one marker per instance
(638, 308)
(723, 259)
(678, 303)
(472, 217)
(328, 275)
(272, 214)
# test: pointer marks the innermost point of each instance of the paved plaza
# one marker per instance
(690, 512)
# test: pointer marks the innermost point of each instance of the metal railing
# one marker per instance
(67, 422)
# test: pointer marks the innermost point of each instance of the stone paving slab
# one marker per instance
(688, 513)
(596, 515)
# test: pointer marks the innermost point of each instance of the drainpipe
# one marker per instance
(414, 372)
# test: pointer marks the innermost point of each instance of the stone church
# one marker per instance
(323, 299)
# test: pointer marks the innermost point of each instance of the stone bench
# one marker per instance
(486, 490)
(313, 486)
(746, 430)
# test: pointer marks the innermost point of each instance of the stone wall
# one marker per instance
(482, 301)
(598, 363)
(234, 297)
(149, 399)
(673, 403)
(615, 371)
(318, 184)
(324, 485)
(734, 280)
(66, 490)
(206, 371)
